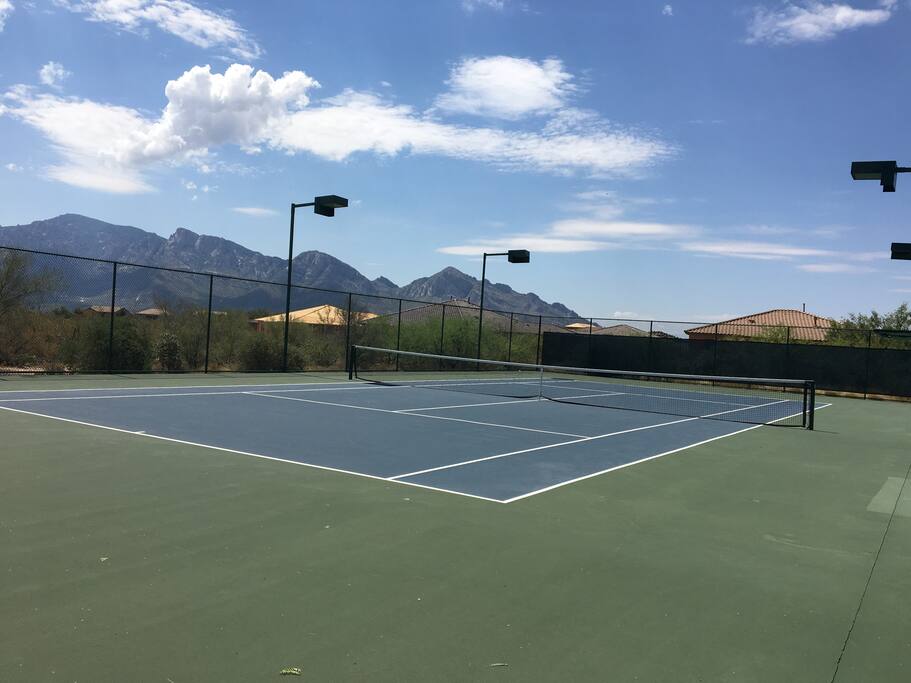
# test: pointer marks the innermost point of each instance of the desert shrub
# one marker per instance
(168, 352)
(260, 353)
(87, 348)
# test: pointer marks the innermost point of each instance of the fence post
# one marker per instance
(111, 329)
(787, 352)
(867, 363)
(348, 336)
(398, 337)
(715, 352)
(539, 353)
(591, 325)
(648, 349)
(209, 322)
(509, 346)
(442, 328)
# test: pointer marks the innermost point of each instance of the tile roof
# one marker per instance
(325, 314)
(803, 325)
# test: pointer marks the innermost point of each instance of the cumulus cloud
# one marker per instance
(812, 21)
(667, 11)
(6, 8)
(196, 25)
(248, 109)
(255, 211)
(52, 74)
(506, 87)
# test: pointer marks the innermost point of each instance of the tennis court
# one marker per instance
(163, 528)
(457, 431)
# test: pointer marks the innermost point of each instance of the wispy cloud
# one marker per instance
(6, 8)
(201, 27)
(255, 211)
(598, 228)
(844, 268)
(506, 87)
(108, 147)
(12, 168)
(766, 251)
(812, 21)
(901, 291)
(901, 277)
(53, 74)
(474, 5)
(667, 11)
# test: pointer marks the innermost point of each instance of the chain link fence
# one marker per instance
(73, 314)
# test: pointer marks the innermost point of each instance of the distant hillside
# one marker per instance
(83, 236)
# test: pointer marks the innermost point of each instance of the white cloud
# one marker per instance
(248, 109)
(901, 291)
(812, 21)
(834, 268)
(6, 8)
(667, 11)
(902, 277)
(201, 27)
(753, 250)
(584, 227)
(506, 87)
(52, 74)
(13, 168)
(188, 185)
(472, 5)
(255, 211)
(534, 243)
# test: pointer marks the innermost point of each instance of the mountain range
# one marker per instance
(77, 235)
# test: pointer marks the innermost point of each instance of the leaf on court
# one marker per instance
(291, 671)
(495, 664)
(104, 559)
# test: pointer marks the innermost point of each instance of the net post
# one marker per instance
(811, 407)
(111, 327)
(540, 382)
(209, 323)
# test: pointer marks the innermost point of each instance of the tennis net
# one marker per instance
(786, 402)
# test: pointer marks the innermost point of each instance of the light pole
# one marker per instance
(324, 206)
(513, 256)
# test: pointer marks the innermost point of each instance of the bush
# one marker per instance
(87, 349)
(168, 352)
(260, 353)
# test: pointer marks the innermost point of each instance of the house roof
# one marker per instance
(118, 310)
(581, 326)
(152, 312)
(803, 325)
(621, 330)
(325, 314)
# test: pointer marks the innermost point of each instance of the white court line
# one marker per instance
(191, 386)
(537, 448)
(247, 453)
(400, 412)
(641, 460)
(574, 441)
(469, 405)
(176, 394)
(662, 396)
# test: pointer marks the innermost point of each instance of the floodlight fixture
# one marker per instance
(901, 251)
(327, 204)
(883, 171)
(518, 256)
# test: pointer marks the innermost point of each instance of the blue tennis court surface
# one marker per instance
(495, 448)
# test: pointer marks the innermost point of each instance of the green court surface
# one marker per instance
(774, 555)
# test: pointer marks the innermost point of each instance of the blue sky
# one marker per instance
(682, 160)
